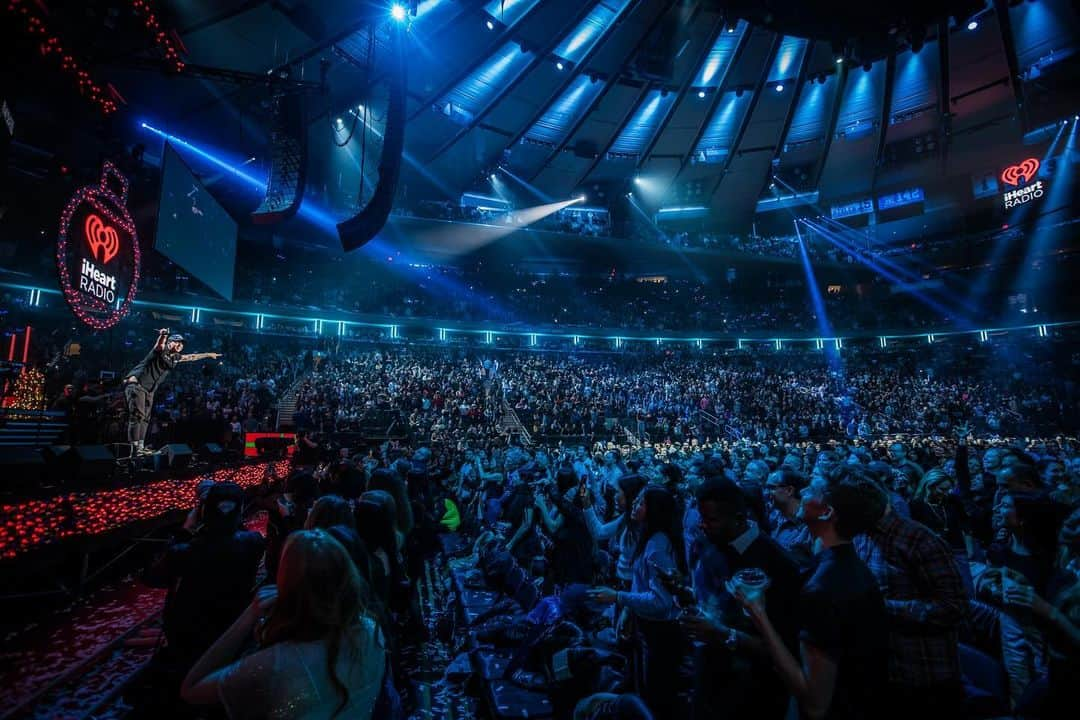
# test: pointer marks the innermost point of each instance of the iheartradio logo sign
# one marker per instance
(99, 271)
(103, 239)
(1021, 172)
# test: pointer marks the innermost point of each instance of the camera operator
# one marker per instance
(209, 570)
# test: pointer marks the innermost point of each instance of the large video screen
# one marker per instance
(193, 230)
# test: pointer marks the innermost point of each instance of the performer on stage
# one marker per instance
(145, 378)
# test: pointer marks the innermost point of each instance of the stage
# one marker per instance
(79, 521)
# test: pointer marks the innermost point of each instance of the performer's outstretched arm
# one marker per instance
(199, 356)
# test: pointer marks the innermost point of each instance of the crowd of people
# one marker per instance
(740, 577)
(737, 304)
(656, 393)
(998, 390)
(865, 533)
(780, 246)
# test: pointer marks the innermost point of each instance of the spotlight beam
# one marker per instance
(209, 157)
(879, 263)
(528, 186)
(885, 272)
(1043, 235)
(824, 326)
(459, 238)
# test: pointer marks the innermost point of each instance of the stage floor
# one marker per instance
(67, 520)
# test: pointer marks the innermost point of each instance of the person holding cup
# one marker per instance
(842, 665)
(755, 565)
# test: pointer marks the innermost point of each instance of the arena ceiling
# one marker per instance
(570, 96)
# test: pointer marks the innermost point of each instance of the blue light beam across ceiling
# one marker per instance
(788, 59)
(718, 63)
(582, 39)
(561, 114)
(647, 118)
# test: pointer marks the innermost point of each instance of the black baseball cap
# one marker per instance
(176, 337)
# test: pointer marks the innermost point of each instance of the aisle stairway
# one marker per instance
(287, 404)
(511, 424)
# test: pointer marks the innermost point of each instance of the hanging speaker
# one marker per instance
(288, 161)
(360, 229)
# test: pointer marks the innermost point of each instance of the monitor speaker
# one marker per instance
(177, 456)
(21, 467)
(87, 464)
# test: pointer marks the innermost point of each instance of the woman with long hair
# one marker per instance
(1029, 522)
(328, 511)
(391, 482)
(388, 505)
(937, 506)
(375, 525)
(621, 533)
(571, 558)
(321, 654)
(659, 552)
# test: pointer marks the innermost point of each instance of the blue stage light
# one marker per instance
(973, 24)
(558, 66)
(701, 93)
(398, 12)
(779, 87)
(490, 25)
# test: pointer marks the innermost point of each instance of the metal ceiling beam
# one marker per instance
(608, 84)
(507, 34)
(834, 116)
(944, 104)
(721, 89)
(565, 84)
(380, 75)
(224, 15)
(540, 57)
(710, 40)
(800, 83)
(226, 75)
(1008, 41)
(886, 114)
(745, 122)
(645, 88)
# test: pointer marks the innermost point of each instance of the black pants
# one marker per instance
(139, 403)
(661, 658)
(908, 703)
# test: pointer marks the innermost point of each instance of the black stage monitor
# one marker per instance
(193, 230)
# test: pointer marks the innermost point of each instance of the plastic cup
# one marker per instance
(751, 583)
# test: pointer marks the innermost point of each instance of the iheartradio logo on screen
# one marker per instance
(1025, 171)
(1019, 176)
